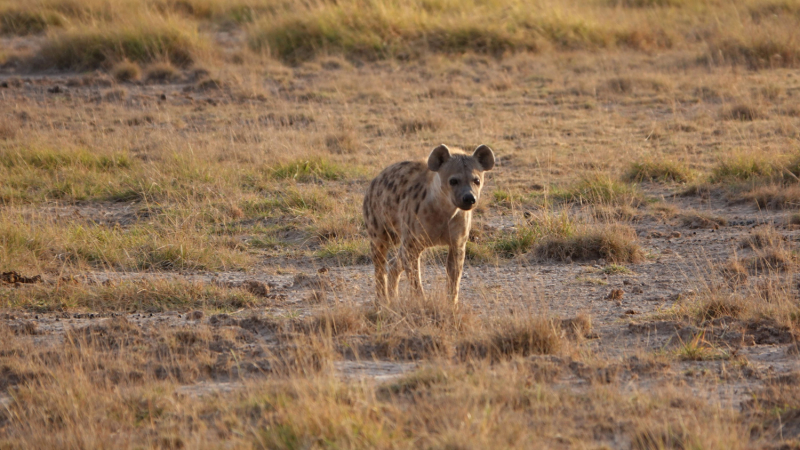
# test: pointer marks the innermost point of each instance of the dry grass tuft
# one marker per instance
(7, 130)
(775, 196)
(513, 337)
(757, 48)
(743, 112)
(764, 237)
(577, 327)
(22, 22)
(419, 125)
(717, 307)
(613, 243)
(662, 437)
(756, 167)
(161, 72)
(342, 143)
(125, 71)
(93, 48)
(629, 85)
(699, 219)
(770, 260)
(734, 272)
(663, 171)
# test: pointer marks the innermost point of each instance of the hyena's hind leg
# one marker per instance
(379, 249)
(406, 260)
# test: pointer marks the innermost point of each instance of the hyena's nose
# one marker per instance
(469, 199)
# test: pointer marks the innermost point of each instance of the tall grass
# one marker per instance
(103, 46)
(95, 33)
(379, 29)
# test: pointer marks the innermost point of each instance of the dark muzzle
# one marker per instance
(468, 200)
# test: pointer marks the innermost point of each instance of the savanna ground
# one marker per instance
(184, 263)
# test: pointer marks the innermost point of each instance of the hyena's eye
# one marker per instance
(477, 181)
(453, 181)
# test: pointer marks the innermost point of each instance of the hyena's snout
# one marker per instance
(469, 199)
(467, 202)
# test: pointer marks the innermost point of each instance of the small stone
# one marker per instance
(630, 312)
(195, 315)
(675, 235)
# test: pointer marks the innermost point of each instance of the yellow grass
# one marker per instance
(194, 139)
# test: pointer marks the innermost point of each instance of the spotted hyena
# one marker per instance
(419, 205)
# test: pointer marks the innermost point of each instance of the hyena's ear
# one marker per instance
(438, 156)
(485, 157)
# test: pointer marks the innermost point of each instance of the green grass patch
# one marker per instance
(515, 243)
(744, 168)
(505, 198)
(171, 243)
(591, 280)
(345, 252)
(266, 237)
(52, 160)
(523, 237)
(480, 253)
(615, 269)
(771, 182)
(510, 199)
(599, 189)
(292, 201)
(313, 169)
(697, 349)
(40, 174)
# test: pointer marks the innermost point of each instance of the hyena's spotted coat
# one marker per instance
(419, 205)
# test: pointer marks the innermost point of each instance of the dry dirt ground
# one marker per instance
(551, 120)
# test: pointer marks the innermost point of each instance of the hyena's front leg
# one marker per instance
(455, 266)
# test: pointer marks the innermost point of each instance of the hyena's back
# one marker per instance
(386, 202)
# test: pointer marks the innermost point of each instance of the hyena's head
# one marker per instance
(461, 175)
